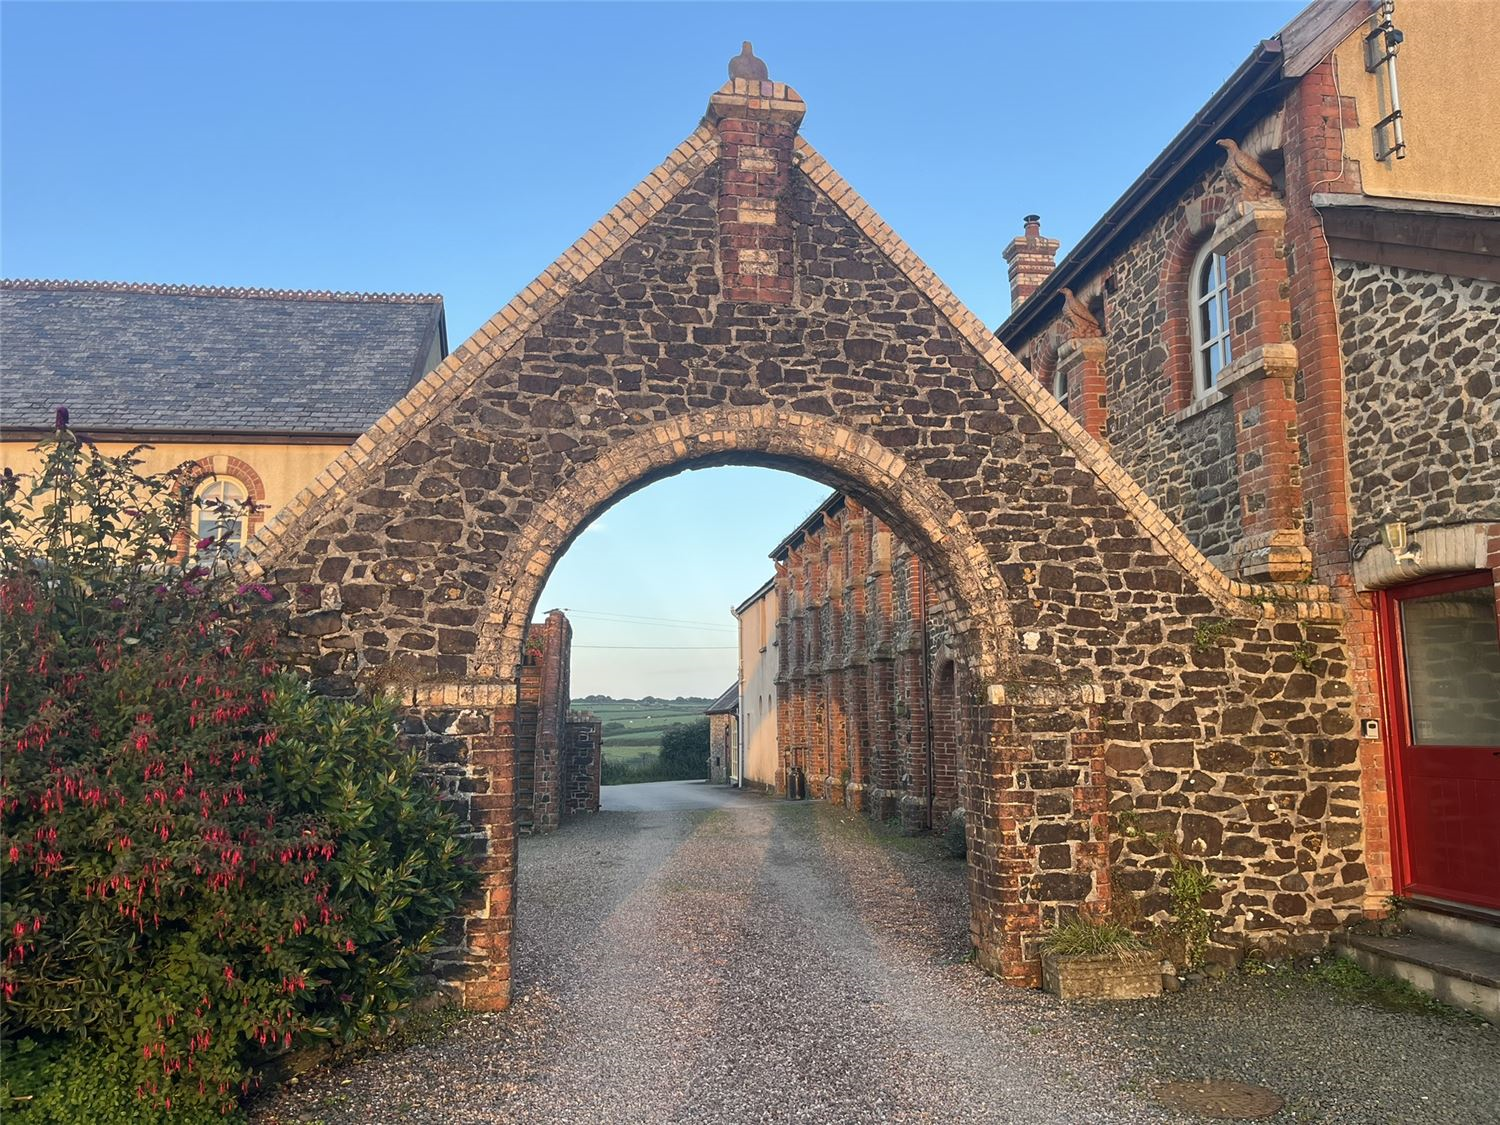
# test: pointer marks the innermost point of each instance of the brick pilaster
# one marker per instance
(1081, 362)
(1260, 379)
(1316, 117)
(757, 126)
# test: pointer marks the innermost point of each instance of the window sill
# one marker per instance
(1200, 405)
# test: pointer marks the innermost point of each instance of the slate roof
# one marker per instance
(726, 704)
(167, 357)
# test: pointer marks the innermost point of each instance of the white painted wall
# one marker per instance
(756, 766)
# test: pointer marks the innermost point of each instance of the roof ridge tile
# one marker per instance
(146, 288)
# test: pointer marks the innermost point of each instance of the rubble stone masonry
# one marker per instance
(1185, 455)
(1422, 382)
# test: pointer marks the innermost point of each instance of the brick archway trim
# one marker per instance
(355, 467)
(762, 433)
(1177, 286)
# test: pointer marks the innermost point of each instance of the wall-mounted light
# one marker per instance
(1393, 535)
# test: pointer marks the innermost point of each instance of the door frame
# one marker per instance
(1395, 711)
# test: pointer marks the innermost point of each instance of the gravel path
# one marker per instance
(773, 961)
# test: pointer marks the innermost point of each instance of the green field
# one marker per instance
(633, 727)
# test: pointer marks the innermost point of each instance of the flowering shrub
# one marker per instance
(201, 863)
(396, 876)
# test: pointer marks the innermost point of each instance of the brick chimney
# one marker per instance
(757, 121)
(1031, 258)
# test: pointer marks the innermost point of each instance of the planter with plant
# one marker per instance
(1084, 959)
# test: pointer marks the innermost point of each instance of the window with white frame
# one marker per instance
(1060, 387)
(1210, 303)
(221, 517)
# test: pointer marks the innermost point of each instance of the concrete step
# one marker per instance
(1458, 975)
(1481, 930)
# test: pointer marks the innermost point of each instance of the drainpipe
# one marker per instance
(739, 727)
(927, 690)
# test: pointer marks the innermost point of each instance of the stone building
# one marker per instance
(1287, 330)
(261, 387)
(558, 751)
(867, 705)
(723, 734)
(756, 765)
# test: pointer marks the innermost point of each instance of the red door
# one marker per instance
(1442, 663)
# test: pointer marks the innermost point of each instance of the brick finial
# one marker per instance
(1031, 258)
(756, 120)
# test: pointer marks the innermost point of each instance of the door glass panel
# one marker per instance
(1452, 668)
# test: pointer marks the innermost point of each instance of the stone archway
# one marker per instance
(922, 514)
(744, 305)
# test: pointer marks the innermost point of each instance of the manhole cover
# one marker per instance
(1226, 1101)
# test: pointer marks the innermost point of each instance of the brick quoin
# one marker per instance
(1315, 162)
(1102, 664)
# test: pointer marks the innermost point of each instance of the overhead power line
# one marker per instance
(669, 648)
(644, 620)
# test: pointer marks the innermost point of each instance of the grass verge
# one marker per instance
(1351, 982)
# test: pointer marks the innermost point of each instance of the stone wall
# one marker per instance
(1137, 290)
(1421, 355)
(1073, 606)
(582, 761)
(1184, 456)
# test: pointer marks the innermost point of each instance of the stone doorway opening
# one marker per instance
(878, 701)
(842, 665)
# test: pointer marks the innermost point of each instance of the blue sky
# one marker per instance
(459, 148)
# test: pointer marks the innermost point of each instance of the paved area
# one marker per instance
(670, 796)
(717, 957)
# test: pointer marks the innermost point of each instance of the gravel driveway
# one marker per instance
(761, 960)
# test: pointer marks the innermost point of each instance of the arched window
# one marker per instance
(1060, 388)
(1210, 311)
(221, 517)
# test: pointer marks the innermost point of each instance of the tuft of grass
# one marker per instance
(1083, 936)
(425, 1024)
(1353, 982)
(956, 836)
